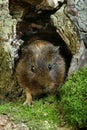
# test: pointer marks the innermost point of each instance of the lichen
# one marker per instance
(8, 81)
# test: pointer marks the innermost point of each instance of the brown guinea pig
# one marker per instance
(41, 69)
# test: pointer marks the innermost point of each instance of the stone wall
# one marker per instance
(8, 41)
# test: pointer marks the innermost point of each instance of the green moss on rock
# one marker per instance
(5, 71)
(8, 83)
(74, 99)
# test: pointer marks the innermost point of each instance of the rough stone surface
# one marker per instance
(66, 29)
(79, 59)
(8, 124)
(45, 4)
(7, 52)
(71, 24)
(49, 4)
(77, 12)
(33, 2)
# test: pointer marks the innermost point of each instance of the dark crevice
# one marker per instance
(38, 25)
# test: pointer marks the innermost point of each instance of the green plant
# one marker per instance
(74, 99)
(41, 115)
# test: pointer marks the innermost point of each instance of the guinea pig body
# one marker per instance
(41, 69)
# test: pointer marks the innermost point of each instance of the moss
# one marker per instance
(74, 99)
(42, 115)
(8, 84)
(5, 72)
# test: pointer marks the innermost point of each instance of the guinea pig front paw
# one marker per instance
(26, 103)
(28, 100)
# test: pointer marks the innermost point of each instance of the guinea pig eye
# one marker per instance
(32, 68)
(49, 67)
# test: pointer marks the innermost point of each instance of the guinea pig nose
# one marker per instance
(40, 65)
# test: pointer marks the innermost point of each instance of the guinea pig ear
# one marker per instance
(26, 51)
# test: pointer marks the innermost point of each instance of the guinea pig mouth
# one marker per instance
(46, 83)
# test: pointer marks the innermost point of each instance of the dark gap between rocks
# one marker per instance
(38, 25)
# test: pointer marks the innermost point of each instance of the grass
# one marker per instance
(42, 115)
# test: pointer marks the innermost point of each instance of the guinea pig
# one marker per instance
(40, 70)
